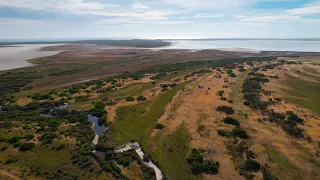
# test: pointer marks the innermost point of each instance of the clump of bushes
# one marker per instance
(126, 158)
(3, 148)
(295, 118)
(226, 109)
(195, 159)
(40, 96)
(141, 98)
(159, 126)
(231, 73)
(17, 144)
(14, 139)
(220, 93)
(130, 98)
(252, 165)
(64, 94)
(26, 146)
(81, 98)
(230, 120)
(28, 137)
(239, 132)
(98, 110)
(291, 128)
(251, 89)
(222, 132)
(11, 160)
(47, 138)
(195, 156)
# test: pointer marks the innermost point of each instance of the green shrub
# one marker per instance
(226, 109)
(3, 148)
(11, 160)
(130, 98)
(81, 98)
(295, 118)
(251, 165)
(98, 110)
(26, 146)
(28, 137)
(53, 92)
(210, 167)
(63, 94)
(196, 167)
(47, 138)
(141, 98)
(159, 126)
(195, 156)
(41, 96)
(220, 93)
(14, 139)
(239, 132)
(207, 167)
(17, 144)
(222, 132)
(230, 120)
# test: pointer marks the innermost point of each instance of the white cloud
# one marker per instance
(305, 10)
(140, 6)
(277, 18)
(135, 21)
(17, 21)
(80, 7)
(216, 4)
(208, 16)
(202, 16)
(70, 6)
(255, 24)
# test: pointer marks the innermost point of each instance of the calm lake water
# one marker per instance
(259, 45)
(15, 57)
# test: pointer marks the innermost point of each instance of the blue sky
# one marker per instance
(83, 19)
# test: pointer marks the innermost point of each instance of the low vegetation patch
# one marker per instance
(226, 109)
(141, 98)
(130, 98)
(195, 159)
(230, 120)
(159, 126)
(239, 132)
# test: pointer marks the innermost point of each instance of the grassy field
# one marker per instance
(285, 170)
(131, 90)
(171, 152)
(136, 122)
(236, 96)
(305, 93)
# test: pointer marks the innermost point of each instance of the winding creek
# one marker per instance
(100, 129)
(135, 146)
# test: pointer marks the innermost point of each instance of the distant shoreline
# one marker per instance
(138, 43)
(244, 39)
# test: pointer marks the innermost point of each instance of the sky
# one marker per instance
(153, 19)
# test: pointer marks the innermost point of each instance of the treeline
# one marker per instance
(252, 90)
(163, 70)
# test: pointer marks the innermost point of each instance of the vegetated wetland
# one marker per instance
(205, 114)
